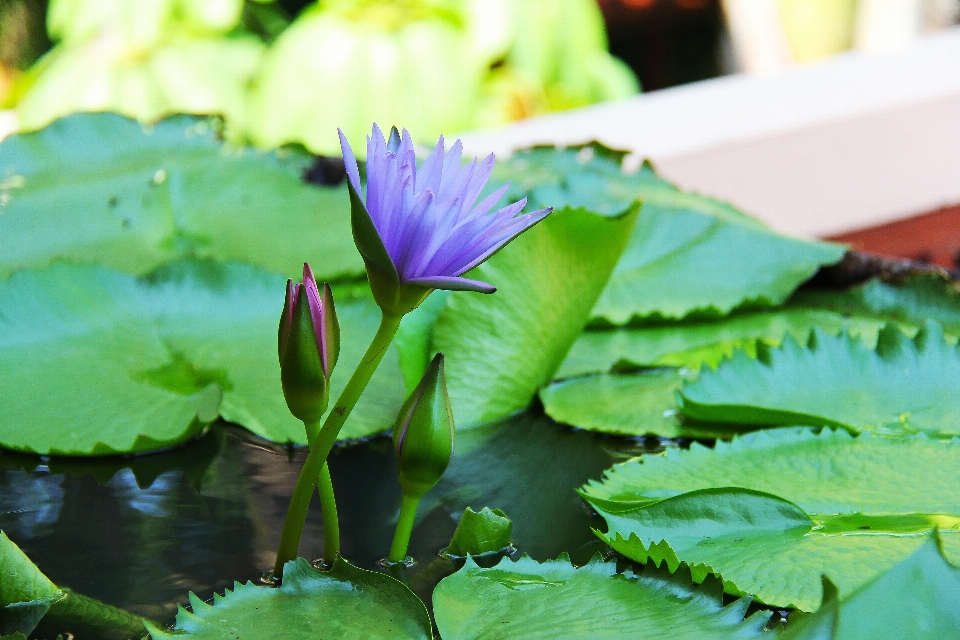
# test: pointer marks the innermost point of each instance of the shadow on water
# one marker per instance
(140, 533)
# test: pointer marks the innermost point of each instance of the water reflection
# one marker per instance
(141, 533)
(29, 502)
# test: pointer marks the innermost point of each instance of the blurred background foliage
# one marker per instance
(284, 71)
(431, 65)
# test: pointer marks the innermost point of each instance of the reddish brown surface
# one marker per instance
(929, 237)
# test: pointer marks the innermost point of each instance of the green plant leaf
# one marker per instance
(671, 267)
(345, 602)
(28, 599)
(868, 501)
(224, 318)
(917, 598)
(21, 580)
(529, 600)
(499, 349)
(480, 532)
(913, 301)
(630, 404)
(135, 197)
(837, 381)
(694, 343)
(85, 373)
(98, 362)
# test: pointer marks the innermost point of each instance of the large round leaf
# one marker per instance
(694, 343)
(105, 189)
(529, 600)
(773, 510)
(630, 404)
(670, 267)
(99, 362)
(345, 602)
(838, 381)
(499, 349)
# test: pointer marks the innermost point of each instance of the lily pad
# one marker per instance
(774, 510)
(99, 362)
(344, 602)
(916, 599)
(837, 381)
(135, 197)
(529, 600)
(500, 348)
(674, 263)
(673, 267)
(911, 302)
(630, 404)
(694, 343)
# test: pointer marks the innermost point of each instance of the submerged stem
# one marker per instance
(401, 535)
(321, 444)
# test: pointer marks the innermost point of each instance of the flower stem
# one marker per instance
(328, 510)
(401, 535)
(328, 503)
(321, 444)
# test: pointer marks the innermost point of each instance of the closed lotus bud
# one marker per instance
(308, 345)
(423, 434)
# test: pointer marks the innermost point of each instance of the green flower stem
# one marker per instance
(401, 536)
(328, 510)
(328, 503)
(321, 444)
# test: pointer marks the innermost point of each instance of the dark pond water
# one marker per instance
(140, 533)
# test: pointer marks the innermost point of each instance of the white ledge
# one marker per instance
(853, 141)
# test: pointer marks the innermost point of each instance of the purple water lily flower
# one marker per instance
(420, 228)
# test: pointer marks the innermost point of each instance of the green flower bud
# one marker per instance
(423, 434)
(308, 345)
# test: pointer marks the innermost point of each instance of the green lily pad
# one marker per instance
(223, 318)
(500, 348)
(99, 362)
(911, 302)
(345, 602)
(682, 261)
(135, 197)
(837, 381)
(774, 510)
(916, 599)
(630, 404)
(529, 600)
(694, 343)
(688, 253)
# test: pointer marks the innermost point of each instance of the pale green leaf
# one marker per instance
(134, 197)
(98, 362)
(773, 510)
(917, 599)
(631, 404)
(837, 381)
(688, 253)
(500, 348)
(694, 343)
(913, 301)
(530, 600)
(345, 602)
